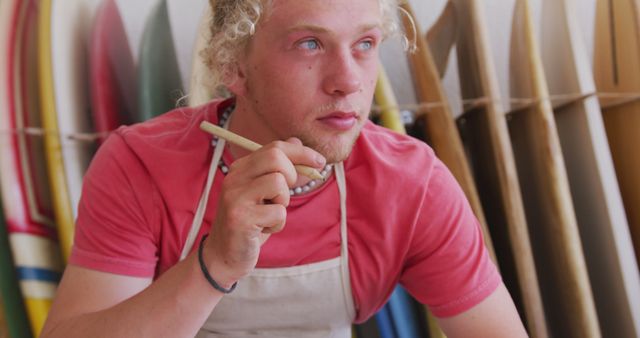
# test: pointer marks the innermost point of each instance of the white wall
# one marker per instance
(185, 16)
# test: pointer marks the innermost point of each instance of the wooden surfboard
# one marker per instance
(160, 85)
(545, 186)
(26, 198)
(594, 187)
(64, 27)
(617, 70)
(112, 72)
(486, 137)
(441, 129)
(14, 315)
(200, 91)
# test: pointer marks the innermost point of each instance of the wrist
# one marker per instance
(224, 285)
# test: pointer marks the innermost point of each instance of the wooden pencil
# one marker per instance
(252, 146)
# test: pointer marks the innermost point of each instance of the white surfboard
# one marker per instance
(62, 59)
(200, 90)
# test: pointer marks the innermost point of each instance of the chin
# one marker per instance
(335, 151)
(335, 148)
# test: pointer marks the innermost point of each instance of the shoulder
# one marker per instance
(388, 142)
(178, 128)
(394, 155)
(163, 144)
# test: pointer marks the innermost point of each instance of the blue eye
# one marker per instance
(310, 44)
(365, 45)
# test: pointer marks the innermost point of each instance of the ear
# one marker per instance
(236, 79)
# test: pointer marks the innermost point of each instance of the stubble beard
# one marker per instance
(333, 151)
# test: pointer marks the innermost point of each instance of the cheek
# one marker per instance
(371, 74)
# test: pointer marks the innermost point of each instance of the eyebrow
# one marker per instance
(321, 29)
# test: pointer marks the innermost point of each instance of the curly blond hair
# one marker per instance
(234, 22)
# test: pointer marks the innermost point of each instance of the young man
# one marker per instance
(171, 220)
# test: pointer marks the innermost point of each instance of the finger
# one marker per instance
(262, 162)
(270, 218)
(299, 154)
(270, 189)
(294, 140)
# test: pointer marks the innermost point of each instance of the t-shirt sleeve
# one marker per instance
(113, 229)
(448, 267)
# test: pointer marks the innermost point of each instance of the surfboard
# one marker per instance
(160, 85)
(64, 27)
(14, 316)
(113, 81)
(545, 186)
(616, 70)
(387, 103)
(486, 137)
(200, 90)
(617, 67)
(26, 198)
(403, 314)
(385, 323)
(594, 187)
(61, 198)
(441, 129)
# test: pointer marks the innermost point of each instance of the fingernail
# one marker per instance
(320, 160)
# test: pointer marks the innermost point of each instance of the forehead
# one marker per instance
(332, 15)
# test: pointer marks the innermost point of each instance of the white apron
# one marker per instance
(312, 300)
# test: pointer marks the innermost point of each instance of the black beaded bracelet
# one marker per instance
(205, 271)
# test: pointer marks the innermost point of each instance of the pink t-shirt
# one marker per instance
(408, 220)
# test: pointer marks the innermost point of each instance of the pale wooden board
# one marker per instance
(594, 187)
(617, 71)
(441, 129)
(554, 229)
(442, 35)
(484, 129)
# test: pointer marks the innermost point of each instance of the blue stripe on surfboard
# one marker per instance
(403, 314)
(385, 323)
(38, 274)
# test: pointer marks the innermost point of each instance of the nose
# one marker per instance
(343, 75)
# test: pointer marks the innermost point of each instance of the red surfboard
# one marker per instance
(113, 73)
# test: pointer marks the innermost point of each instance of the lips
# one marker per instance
(340, 120)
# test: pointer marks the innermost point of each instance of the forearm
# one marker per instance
(176, 305)
(495, 317)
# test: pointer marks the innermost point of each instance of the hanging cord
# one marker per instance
(516, 104)
(417, 110)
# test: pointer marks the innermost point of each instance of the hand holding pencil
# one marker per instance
(252, 201)
(252, 146)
